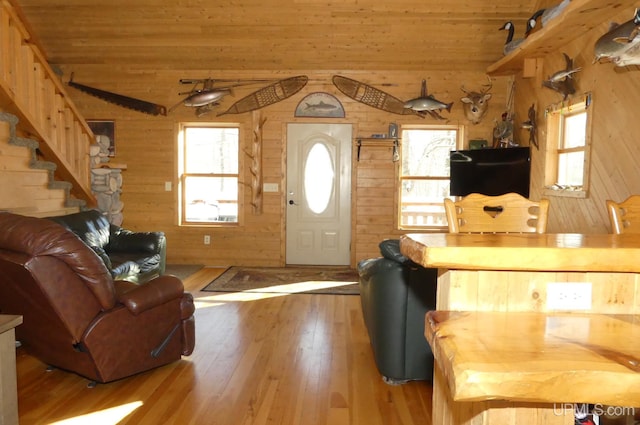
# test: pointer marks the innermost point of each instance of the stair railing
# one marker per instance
(31, 90)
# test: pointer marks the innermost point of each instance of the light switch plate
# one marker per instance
(270, 187)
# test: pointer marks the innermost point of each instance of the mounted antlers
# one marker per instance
(476, 104)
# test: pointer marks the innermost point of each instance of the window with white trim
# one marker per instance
(209, 174)
(424, 175)
(567, 148)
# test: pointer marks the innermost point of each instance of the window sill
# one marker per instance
(209, 224)
(424, 229)
(564, 192)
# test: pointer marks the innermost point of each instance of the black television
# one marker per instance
(490, 171)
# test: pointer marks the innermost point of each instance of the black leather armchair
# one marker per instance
(133, 256)
(396, 293)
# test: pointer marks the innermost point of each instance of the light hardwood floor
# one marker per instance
(282, 359)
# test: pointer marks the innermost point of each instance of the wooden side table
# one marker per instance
(8, 385)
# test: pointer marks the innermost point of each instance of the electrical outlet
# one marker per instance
(207, 239)
(569, 296)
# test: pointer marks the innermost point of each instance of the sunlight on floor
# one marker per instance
(266, 292)
(111, 416)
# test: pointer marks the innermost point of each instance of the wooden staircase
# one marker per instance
(29, 186)
(44, 114)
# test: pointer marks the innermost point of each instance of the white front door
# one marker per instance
(318, 194)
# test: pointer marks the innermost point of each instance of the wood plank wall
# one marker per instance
(147, 145)
(615, 149)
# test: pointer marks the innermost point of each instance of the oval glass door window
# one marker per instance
(318, 178)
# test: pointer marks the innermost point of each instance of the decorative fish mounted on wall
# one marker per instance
(371, 96)
(621, 44)
(427, 104)
(563, 81)
(120, 100)
(207, 93)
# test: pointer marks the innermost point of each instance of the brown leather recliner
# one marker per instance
(76, 317)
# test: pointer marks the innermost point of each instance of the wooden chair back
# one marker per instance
(508, 213)
(624, 216)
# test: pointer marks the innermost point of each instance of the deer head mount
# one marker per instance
(476, 104)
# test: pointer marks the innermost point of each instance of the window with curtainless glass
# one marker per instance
(424, 175)
(209, 174)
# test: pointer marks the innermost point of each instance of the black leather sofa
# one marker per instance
(133, 256)
(396, 293)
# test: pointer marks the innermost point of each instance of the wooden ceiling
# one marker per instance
(275, 34)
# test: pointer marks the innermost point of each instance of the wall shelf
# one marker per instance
(394, 141)
(579, 17)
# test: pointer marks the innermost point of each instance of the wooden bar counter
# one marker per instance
(503, 287)
(511, 272)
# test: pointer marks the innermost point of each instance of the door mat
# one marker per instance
(289, 280)
(182, 271)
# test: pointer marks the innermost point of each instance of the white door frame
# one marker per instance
(320, 237)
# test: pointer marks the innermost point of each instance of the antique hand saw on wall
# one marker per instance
(120, 100)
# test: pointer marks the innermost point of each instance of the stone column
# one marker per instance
(106, 181)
